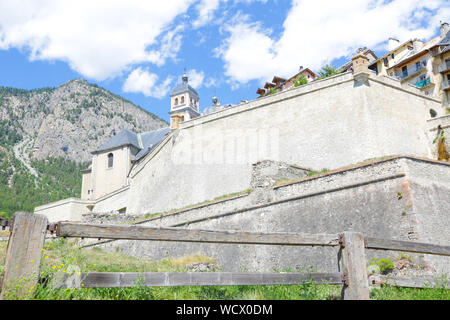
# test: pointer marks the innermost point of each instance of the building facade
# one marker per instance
(423, 65)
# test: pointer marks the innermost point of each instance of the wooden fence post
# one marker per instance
(356, 283)
(23, 255)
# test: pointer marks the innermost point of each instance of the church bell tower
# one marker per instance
(184, 103)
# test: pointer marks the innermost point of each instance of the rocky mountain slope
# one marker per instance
(69, 121)
(46, 136)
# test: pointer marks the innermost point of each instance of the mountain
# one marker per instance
(46, 136)
(68, 121)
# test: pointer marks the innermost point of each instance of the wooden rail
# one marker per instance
(133, 232)
(27, 237)
(170, 279)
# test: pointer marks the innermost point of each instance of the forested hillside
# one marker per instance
(46, 136)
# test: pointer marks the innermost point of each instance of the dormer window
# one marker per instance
(110, 160)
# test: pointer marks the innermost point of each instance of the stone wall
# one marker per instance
(435, 128)
(398, 198)
(324, 124)
(65, 210)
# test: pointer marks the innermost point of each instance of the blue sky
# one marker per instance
(139, 49)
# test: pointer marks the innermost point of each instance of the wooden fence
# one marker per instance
(28, 235)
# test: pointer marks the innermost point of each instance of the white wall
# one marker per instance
(67, 209)
(106, 180)
(112, 202)
(340, 124)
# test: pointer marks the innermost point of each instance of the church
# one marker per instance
(113, 161)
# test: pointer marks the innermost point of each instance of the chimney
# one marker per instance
(393, 43)
(360, 63)
(444, 29)
(417, 44)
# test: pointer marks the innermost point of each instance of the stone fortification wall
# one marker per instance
(325, 124)
(68, 209)
(114, 201)
(397, 198)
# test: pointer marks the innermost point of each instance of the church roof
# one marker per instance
(150, 140)
(144, 142)
(182, 88)
(123, 138)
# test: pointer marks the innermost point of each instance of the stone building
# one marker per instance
(419, 64)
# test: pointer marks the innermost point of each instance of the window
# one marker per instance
(110, 160)
(176, 101)
(392, 56)
(385, 61)
(182, 99)
(404, 71)
(417, 66)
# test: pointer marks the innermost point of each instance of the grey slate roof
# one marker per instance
(144, 142)
(150, 140)
(445, 40)
(182, 88)
(125, 137)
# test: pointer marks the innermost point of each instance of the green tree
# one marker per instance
(301, 80)
(328, 71)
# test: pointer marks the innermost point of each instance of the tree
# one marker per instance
(328, 71)
(301, 80)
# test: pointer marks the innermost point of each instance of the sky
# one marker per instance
(140, 49)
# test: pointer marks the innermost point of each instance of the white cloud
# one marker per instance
(316, 32)
(143, 81)
(98, 38)
(205, 10)
(196, 78)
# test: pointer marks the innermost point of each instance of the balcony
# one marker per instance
(403, 76)
(423, 83)
(445, 67)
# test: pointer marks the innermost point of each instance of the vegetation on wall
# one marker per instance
(301, 80)
(328, 71)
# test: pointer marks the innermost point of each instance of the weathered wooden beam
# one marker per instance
(407, 282)
(356, 285)
(133, 232)
(23, 255)
(407, 246)
(169, 279)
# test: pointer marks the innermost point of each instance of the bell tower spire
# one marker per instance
(183, 103)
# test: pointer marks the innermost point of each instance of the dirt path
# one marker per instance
(20, 152)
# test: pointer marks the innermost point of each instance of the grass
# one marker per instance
(157, 214)
(61, 256)
(308, 174)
